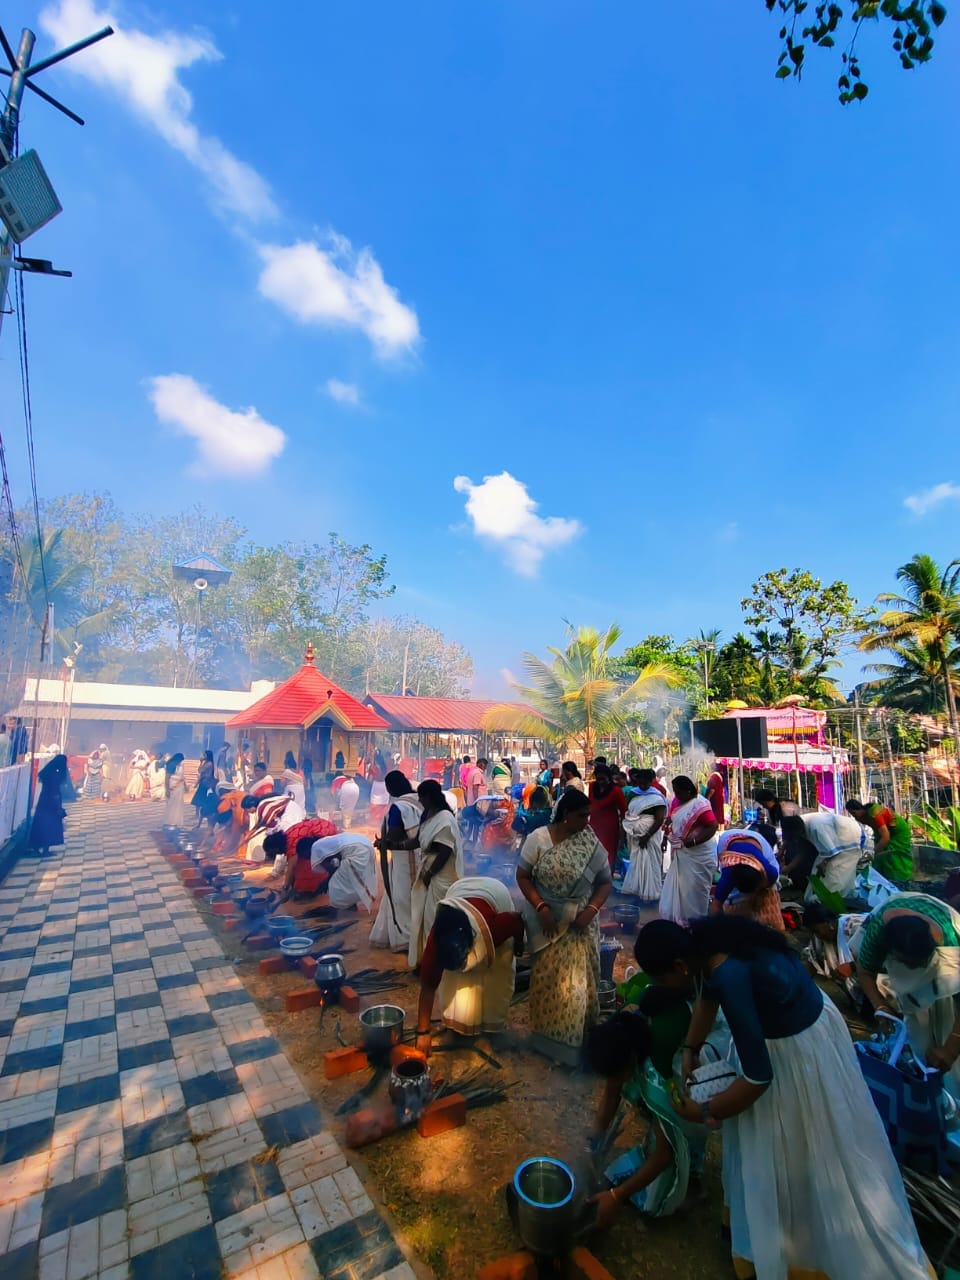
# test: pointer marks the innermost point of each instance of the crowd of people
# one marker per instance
(811, 1185)
(717, 969)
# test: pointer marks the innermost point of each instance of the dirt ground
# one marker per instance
(445, 1194)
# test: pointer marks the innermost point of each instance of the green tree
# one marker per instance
(913, 681)
(802, 628)
(382, 650)
(575, 696)
(926, 611)
(911, 24)
(737, 674)
(335, 591)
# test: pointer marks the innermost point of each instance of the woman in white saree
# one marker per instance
(837, 838)
(645, 815)
(691, 829)
(440, 864)
(396, 843)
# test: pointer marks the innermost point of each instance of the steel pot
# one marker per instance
(381, 1028)
(545, 1211)
(329, 969)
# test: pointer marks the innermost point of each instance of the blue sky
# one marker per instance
(708, 320)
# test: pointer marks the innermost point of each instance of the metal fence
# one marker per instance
(14, 796)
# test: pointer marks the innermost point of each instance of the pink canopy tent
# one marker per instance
(797, 744)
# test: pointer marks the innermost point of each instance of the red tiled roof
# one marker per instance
(300, 701)
(441, 715)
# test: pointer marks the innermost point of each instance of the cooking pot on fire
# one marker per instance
(329, 970)
(410, 1086)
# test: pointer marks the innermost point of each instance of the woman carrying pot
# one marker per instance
(564, 874)
(810, 1183)
(440, 864)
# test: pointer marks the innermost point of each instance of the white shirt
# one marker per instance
(291, 815)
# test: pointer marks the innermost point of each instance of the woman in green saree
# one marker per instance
(635, 1053)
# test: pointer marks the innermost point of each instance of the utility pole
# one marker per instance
(860, 765)
(21, 72)
(894, 785)
(21, 75)
(9, 123)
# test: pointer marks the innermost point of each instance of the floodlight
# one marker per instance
(27, 199)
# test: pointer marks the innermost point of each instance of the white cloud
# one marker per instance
(144, 71)
(343, 392)
(927, 499)
(504, 514)
(237, 442)
(327, 284)
(338, 286)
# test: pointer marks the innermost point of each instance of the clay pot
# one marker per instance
(410, 1085)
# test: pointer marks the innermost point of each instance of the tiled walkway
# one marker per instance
(150, 1127)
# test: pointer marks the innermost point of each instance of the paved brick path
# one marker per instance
(139, 1084)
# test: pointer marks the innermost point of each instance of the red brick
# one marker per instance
(584, 1266)
(260, 942)
(232, 922)
(191, 878)
(307, 965)
(343, 1062)
(609, 926)
(223, 908)
(515, 1266)
(273, 964)
(369, 1124)
(177, 859)
(349, 1000)
(303, 998)
(206, 891)
(438, 1117)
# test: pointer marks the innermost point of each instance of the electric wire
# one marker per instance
(28, 422)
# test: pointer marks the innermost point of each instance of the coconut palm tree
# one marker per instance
(57, 577)
(927, 611)
(914, 680)
(705, 645)
(575, 697)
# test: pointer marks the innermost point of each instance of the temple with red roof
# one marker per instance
(311, 716)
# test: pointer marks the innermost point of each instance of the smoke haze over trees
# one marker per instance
(110, 578)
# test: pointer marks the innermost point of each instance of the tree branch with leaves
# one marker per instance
(913, 35)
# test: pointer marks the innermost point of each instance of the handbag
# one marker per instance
(909, 1098)
(710, 1078)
